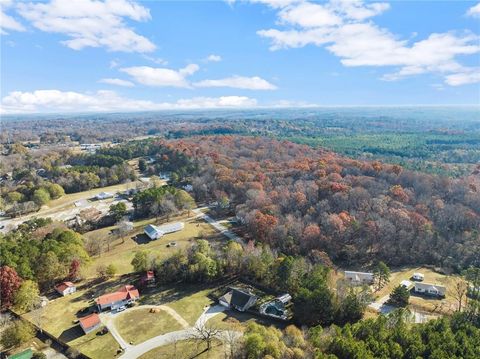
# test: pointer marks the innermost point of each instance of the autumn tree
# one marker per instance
(9, 284)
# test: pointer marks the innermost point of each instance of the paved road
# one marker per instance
(218, 225)
(135, 351)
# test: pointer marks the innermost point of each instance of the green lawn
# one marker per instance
(96, 346)
(187, 300)
(138, 325)
(187, 349)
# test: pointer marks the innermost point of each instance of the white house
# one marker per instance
(358, 278)
(104, 195)
(65, 288)
(155, 232)
(430, 289)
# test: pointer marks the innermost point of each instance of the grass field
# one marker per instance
(187, 300)
(123, 250)
(96, 346)
(138, 325)
(187, 349)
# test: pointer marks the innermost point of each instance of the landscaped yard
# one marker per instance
(138, 324)
(187, 349)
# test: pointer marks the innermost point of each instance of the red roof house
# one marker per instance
(90, 322)
(65, 288)
(125, 295)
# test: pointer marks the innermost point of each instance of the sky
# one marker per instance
(123, 55)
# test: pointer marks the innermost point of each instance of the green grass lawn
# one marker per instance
(187, 300)
(187, 349)
(138, 325)
(96, 346)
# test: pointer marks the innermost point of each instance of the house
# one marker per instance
(90, 322)
(238, 299)
(125, 295)
(358, 278)
(148, 278)
(104, 195)
(65, 288)
(430, 289)
(418, 277)
(155, 232)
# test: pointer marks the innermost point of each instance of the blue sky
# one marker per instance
(121, 55)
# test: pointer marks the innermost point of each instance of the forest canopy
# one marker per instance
(298, 199)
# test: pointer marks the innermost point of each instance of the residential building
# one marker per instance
(430, 289)
(155, 232)
(104, 195)
(65, 288)
(125, 295)
(238, 299)
(90, 322)
(358, 278)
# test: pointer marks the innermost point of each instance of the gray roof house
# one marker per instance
(430, 289)
(238, 299)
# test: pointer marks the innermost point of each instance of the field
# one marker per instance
(187, 349)
(122, 250)
(139, 324)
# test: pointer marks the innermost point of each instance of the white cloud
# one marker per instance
(341, 27)
(474, 11)
(7, 22)
(117, 82)
(240, 82)
(90, 23)
(51, 101)
(468, 76)
(213, 58)
(157, 76)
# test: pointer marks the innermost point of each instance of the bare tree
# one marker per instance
(458, 289)
(205, 333)
(232, 337)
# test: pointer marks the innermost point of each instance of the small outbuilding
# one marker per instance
(90, 323)
(406, 284)
(104, 195)
(418, 277)
(66, 288)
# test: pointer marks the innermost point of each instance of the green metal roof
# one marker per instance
(26, 354)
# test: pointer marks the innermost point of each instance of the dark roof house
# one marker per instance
(238, 299)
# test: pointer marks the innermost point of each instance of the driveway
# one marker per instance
(381, 306)
(218, 225)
